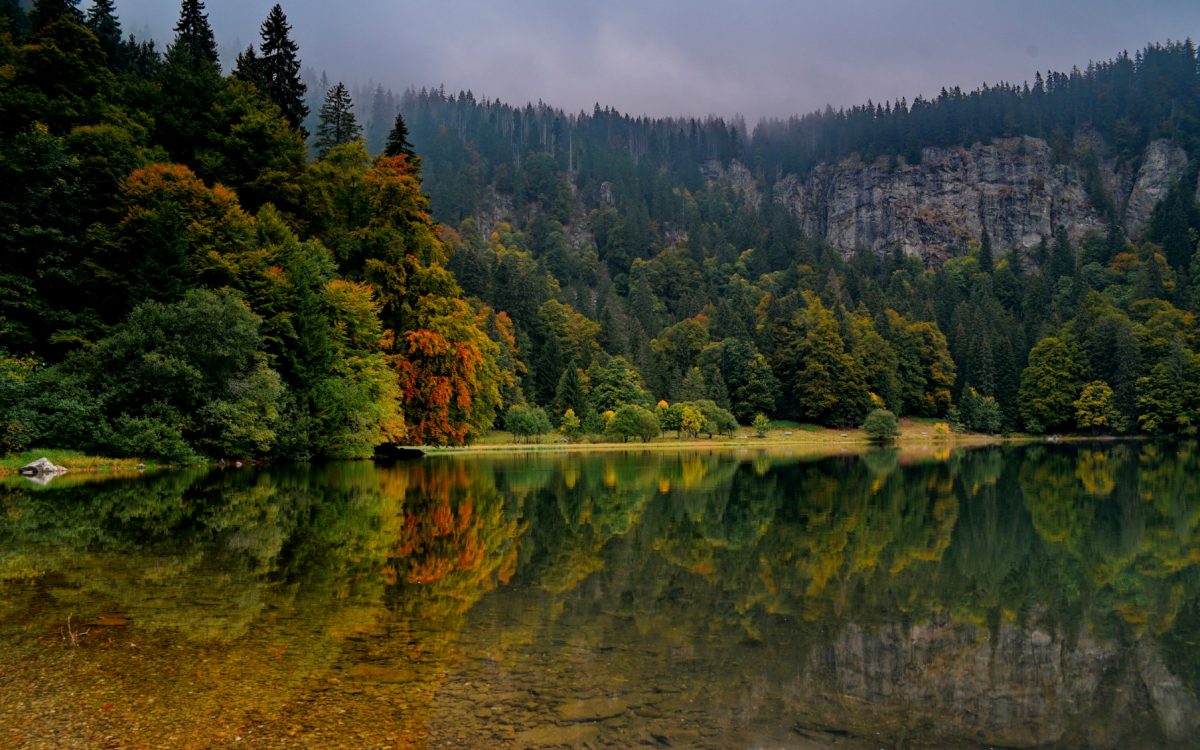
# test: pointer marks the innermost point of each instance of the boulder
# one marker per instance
(41, 467)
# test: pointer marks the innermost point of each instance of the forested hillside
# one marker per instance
(687, 247)
(207, 264)
(180, 278)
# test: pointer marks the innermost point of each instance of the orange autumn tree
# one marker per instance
(174, 232)
(449, 378)
(447, 368)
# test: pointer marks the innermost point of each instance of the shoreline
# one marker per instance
(824, 440)
(804, 442)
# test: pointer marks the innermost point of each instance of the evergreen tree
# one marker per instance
(248, 67)
(382, 108)
(279, 64)
(987, 263)
(193, 35)
(1062, 257)
(46, 12)
(693, 387)
(397, 140)
(569, 393)
(14, 13)
(102, 20)
(338, 124)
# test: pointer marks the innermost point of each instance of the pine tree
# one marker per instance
(569, 392)
(46, 12)
(381, 115)
(338, 124)
(13, 11)
(397, 140)
(987, 263)
(280, 68)
(102, 20)
(248, 67)
(193, 35)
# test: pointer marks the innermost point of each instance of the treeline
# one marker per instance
(181, 279)
(601, 234)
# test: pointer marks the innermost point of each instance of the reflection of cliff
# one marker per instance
(1018, 687)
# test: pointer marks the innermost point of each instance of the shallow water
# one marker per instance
(1042, 596)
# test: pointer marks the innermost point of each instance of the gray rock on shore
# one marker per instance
(41, 467)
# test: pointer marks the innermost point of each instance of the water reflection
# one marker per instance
(1026, 597)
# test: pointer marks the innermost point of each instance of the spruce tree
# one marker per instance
(338, 124)
(14, 12)
(46, 12)
(280, 68)
(987, 263)
(102, 20)
(193, 35)
(397, 140)
(248, 67)
(380, 120)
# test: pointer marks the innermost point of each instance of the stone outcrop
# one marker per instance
(737, 177)
(1013, 187)
(1162, 165)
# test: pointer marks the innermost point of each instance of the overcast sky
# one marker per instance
(691, 57)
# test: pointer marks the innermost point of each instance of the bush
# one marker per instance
(761, 424)
(149, 437)
(571, 427)
(881, 426)
(526, 422)
(716, 420)
(631, 420)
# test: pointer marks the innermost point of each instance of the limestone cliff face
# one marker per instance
(1162, 165)
(1013, 187)
(736, 176)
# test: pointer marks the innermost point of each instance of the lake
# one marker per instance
(1020, 596)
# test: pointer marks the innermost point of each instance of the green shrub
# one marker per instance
(881, 426)
(571, 427)
(631, 420)
(149, 437)
(526, 422)
(761, 424)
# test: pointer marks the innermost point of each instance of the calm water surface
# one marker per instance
(1020, 597)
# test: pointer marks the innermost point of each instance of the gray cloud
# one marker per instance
(693, 57)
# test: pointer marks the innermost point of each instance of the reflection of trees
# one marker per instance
(1037, 569)
(302, 574)
(457, 540)
(218, 548)
(288, 575)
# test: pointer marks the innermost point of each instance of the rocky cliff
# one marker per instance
(1015, 188)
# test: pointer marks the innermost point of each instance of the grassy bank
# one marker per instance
(801, 437)
(71, 460)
